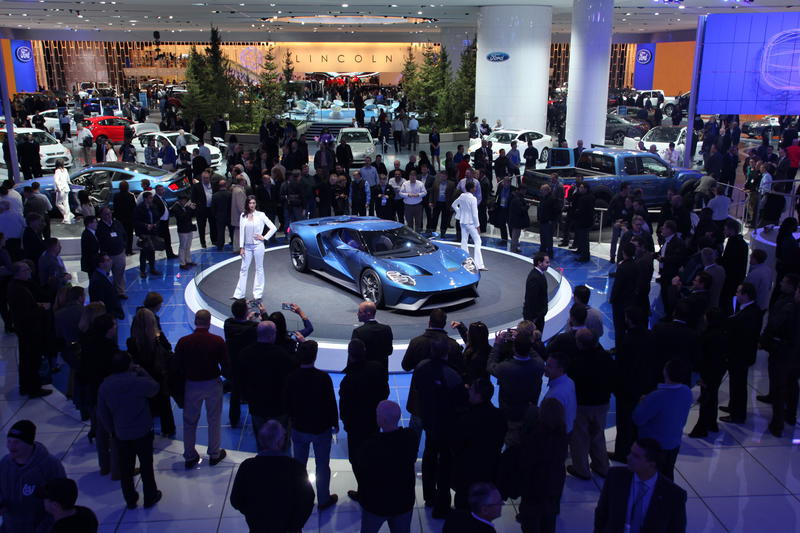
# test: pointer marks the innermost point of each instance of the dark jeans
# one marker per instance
(781, 376)
(626, 429)
(738, 391)
(147, 256)
(440, 210)
(668, 462)
(163, 232)
(709, 403)
(221, 225)
(546, 237)
(128, 225)
(129, 450)
(618, 316)
(582, 242)
(436, 464)
(30, 358)
(398, 141)
(203, 217)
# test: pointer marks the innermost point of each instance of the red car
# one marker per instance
(112, 128)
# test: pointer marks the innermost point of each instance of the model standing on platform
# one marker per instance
(61, 180)
(251, 229)
(466, 208)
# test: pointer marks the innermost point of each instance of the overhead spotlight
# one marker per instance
(668, 1)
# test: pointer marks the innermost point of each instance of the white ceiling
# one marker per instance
(172, 17)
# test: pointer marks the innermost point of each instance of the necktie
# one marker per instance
(637, 512)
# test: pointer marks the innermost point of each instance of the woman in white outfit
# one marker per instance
(251, 230)
(466, 208)
(61, 180)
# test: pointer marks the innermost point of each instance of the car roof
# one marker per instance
(122, 165)
(349, 222)
(508, 130)
(27, 130)
(353, 129)
(102, 117)
(614, 151)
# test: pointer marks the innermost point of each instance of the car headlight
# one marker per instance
(469, 264)
(399, 277)
(370, 150)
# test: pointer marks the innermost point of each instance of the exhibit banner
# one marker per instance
(750, 64)
(24, 66)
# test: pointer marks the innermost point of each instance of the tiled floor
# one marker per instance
(741, 479)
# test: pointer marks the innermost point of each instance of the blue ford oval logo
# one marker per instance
(24, 53)
(644, 56)
(497, 57)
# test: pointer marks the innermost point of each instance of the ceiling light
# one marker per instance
(656, 13)
(345, 5)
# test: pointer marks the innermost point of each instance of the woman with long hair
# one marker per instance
(283, 337)
(252, 225)
(151, 351)
(61, 182)
(476, 351)
(544, 452)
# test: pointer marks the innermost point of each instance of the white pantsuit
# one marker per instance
(466, 208)
(251, 226)
(61, 180)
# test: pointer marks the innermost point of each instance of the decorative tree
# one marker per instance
(221, 83)
(410, 79)
(198, 101)
(428, 87)
(446, 116)
(463, 94)
(271, 102)
(288, 74)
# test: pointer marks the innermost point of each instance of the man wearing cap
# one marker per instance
(59, 496)
(27, 467)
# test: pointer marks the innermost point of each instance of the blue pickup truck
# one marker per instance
(605, 169)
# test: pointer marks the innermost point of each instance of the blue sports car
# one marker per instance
(384, 261)
(102, 181)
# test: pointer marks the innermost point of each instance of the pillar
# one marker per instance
(513, 65)
(589, 61)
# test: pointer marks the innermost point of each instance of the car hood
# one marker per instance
(53, 149)
(435, 271)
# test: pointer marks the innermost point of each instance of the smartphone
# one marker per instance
(286, 307)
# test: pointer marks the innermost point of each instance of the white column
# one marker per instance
(513, 90)
(589, 61)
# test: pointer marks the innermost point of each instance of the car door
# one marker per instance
(656, 178)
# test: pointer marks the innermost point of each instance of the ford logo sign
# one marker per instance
(497, 57)
(24, 54)
(644, 56)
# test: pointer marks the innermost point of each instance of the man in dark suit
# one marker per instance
(419, 348)
(376, 337)
(734, 260)
(638, 499)
(485, 505)
(534, 307)
(160, 203)
(202, 193)
(623, 293)
(344, 155)
(240, 332)
(644, 272)
(90, 245)
(584, 220)
(743, 327)
(221, 211)
(676, 339)
(671, 258)
(101, 287)
(145, 219)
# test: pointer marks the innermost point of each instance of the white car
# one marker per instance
(661, 136)
(140, 143)
(361, 142)
(502, 139)
(50, 149)
(51, 120)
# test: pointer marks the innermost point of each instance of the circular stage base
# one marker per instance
(332, 309)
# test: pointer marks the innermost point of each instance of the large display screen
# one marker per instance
(751, 64)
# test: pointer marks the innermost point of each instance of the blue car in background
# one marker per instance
(102, 182)
(384, 261)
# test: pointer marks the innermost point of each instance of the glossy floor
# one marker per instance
(741, 479)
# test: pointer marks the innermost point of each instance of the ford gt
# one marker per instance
(384, 261)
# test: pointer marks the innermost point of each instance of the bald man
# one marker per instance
(376, 337)
(265, 366)
(385, 473)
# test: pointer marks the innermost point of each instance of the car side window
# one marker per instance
(532, 136)
(651, 165)
(119, 176)
(631, 166)
(106, 122)
(613, 120)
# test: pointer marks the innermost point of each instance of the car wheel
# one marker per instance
(545, 155)
(668, 110)
(618, 138)
(371, 287)
(299, 254)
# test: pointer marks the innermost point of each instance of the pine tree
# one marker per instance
(271, 102)
(221, 83)
(446, 116)
(198, 101)
(428, 87)
(288, 74)
(410, 78)
(463, 94)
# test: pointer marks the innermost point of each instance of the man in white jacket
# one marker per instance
(466, 208)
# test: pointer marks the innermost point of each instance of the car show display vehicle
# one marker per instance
(606, 169)
(140, 143)
(618, 127)
(50, 149)
(384, 262)
(102, 181)
(502, 138)
(107, 127)
(755, 129)
(361, 142)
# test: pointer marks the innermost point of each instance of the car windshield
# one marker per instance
(662, 135)
(397, 242)
(502, 137)
(190, 139)
(356, 137)
(147, 171)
